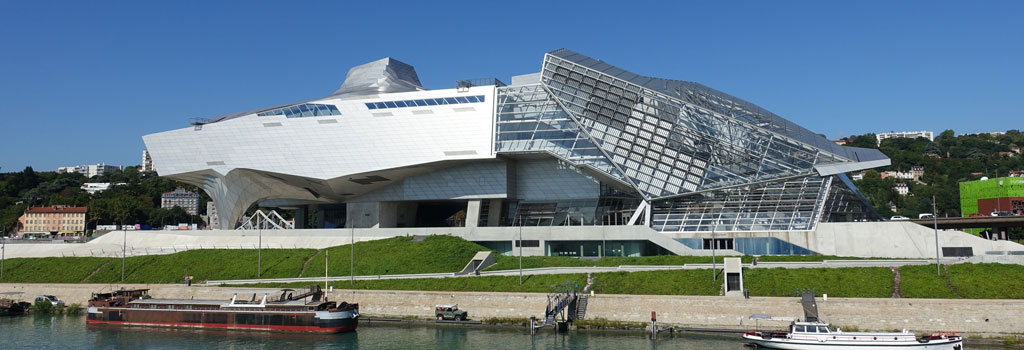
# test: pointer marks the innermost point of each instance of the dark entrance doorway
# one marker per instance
(732, 282)
(441, 214)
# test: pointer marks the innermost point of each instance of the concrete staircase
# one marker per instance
(480, 261)
(581, 306)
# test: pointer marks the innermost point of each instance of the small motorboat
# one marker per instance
(818, 335)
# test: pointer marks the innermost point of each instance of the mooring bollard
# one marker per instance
(654, 325)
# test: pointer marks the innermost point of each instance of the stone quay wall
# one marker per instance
(972, 317)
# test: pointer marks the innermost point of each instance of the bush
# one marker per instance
(601, 323)
(43, 308)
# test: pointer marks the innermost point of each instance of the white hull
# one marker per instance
(804, 345)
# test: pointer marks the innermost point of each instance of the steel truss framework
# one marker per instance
(706, 160)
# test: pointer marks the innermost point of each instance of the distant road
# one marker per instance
(570, 270)
(975, 222)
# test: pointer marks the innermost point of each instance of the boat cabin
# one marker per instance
(810, 327)
(119, 297)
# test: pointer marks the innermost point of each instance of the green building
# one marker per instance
(986, 196)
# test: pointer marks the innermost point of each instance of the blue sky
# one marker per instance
(81, 82)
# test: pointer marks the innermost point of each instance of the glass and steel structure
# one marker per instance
(702, 159)
(580, 142)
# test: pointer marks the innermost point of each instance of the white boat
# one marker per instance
(818, 335)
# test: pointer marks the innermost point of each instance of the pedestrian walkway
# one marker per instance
(596, 269)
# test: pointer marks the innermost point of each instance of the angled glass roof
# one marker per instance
(726, 104)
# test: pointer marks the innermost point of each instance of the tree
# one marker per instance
(863, 141)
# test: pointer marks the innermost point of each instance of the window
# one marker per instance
(526, 243)
(425, 102)
(303, 110)
(720, 243)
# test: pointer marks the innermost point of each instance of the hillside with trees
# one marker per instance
(136, 201)
(947, 161)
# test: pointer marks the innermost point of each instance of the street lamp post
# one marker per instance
(124, 247)
(999, 195)
(999, 202)
(3, 251)
(352, 256)
(714, 264)
(514, 217)
(935, 225)
(259, 250)
(520, 254)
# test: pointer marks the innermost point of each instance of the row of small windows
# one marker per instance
(54, 221)
(303, 110)
(425, 102)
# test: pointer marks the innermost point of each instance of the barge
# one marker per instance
(290, 311)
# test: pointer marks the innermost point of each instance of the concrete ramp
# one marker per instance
(902, 239)
(480, 261)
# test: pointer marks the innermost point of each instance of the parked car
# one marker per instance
(1002, 213)
(977, 215)
(450, 312)
(49, 299)
(925, 216)
(897, 217)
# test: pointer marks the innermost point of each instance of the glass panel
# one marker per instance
(462, 99)
(472, 99)
(400, 103)
(481, 98)
(371, 106)
(451, 100)
(391, 104)
(430, 102)
(380, 105)
(334, 110)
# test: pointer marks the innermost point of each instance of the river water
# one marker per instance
(70, 332)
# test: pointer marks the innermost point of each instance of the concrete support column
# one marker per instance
(387, 214)
(362, 215)
(473, 213)
(300, 216)
(494, 212)
(319, 217)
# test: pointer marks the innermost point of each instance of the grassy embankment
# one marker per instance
(400, 255)
(971, 281)
(397, 255)
(222, 263)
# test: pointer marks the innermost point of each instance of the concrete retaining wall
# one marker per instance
(167, 242)
(974, 317)
(883, 239)
(890, 239)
